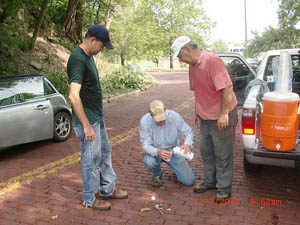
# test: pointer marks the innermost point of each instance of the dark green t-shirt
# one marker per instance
(81, 69)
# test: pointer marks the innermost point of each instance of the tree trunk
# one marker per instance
(122, 59)
(171, 62)
(3, 17)
(97, 15)
(4, 14)
(78, 21)
(71, 12)
(39, 23)
(156, 61)
(108, 18)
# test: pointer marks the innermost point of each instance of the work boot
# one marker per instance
(100, 204)
(117, 194)
(221, 196)
(201, 188)
(156, 182)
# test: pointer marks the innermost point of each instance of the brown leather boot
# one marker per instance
(156, 182)
(117, 194)
(101, 205)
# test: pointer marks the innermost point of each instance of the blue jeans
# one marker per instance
(178, 163)
(96, 167)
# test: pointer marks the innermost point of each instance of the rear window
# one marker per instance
(296, 67)
(295, 63)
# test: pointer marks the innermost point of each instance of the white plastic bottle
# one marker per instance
(178, 151)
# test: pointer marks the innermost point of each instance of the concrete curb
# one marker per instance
(135, 92)
(117, 97)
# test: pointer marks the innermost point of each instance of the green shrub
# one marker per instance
(61, 82)
(118, 82)
(125, 79)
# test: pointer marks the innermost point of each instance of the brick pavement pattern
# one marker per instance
(40, 183)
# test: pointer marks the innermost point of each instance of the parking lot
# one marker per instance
(40, 183)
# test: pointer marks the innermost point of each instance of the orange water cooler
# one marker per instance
(279, 122)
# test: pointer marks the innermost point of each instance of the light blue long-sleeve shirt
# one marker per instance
(154, 137)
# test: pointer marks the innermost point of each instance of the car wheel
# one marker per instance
(249, 167)
(62, 126)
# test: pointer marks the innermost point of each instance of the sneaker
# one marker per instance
(117, 194)
(221, 196)
(200, 188)
(101, 205)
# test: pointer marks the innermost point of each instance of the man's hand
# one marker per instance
(223, 121)
(186, 148)
(197, 120)
(89, 133)
(164, 154)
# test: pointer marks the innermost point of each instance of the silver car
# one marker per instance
(31, 109)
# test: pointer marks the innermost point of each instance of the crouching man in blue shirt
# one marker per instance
(159, 130)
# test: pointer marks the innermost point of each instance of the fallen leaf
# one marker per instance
(54, 217)
(169, 209)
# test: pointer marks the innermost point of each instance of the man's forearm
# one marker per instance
(78, 108)
(226, 100)
(148, 149)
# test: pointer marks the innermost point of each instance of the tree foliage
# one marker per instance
(9, 8)
(180, 17)
(145, 29)
(219, 46)
(140, 29)
(286, 36)
(273, 38)
(289, 13)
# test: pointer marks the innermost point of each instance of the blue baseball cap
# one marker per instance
(101, 34)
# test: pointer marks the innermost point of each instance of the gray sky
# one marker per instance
(229, 15)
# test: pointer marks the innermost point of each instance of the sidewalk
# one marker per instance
(48, 194)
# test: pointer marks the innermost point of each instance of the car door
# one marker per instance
(25, 123)
(240, 73)
(25, 116)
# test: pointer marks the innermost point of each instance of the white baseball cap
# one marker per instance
(178, 44)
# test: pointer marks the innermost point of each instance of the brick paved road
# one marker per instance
(40, 183)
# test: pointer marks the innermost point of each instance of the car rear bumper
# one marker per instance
(266, 157)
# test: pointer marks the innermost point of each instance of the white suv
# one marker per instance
(254, 153)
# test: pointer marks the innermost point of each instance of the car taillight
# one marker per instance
(248, 121)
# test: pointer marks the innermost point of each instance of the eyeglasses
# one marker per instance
(181, 52)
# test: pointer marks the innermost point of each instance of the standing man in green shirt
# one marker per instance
(85, 94)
